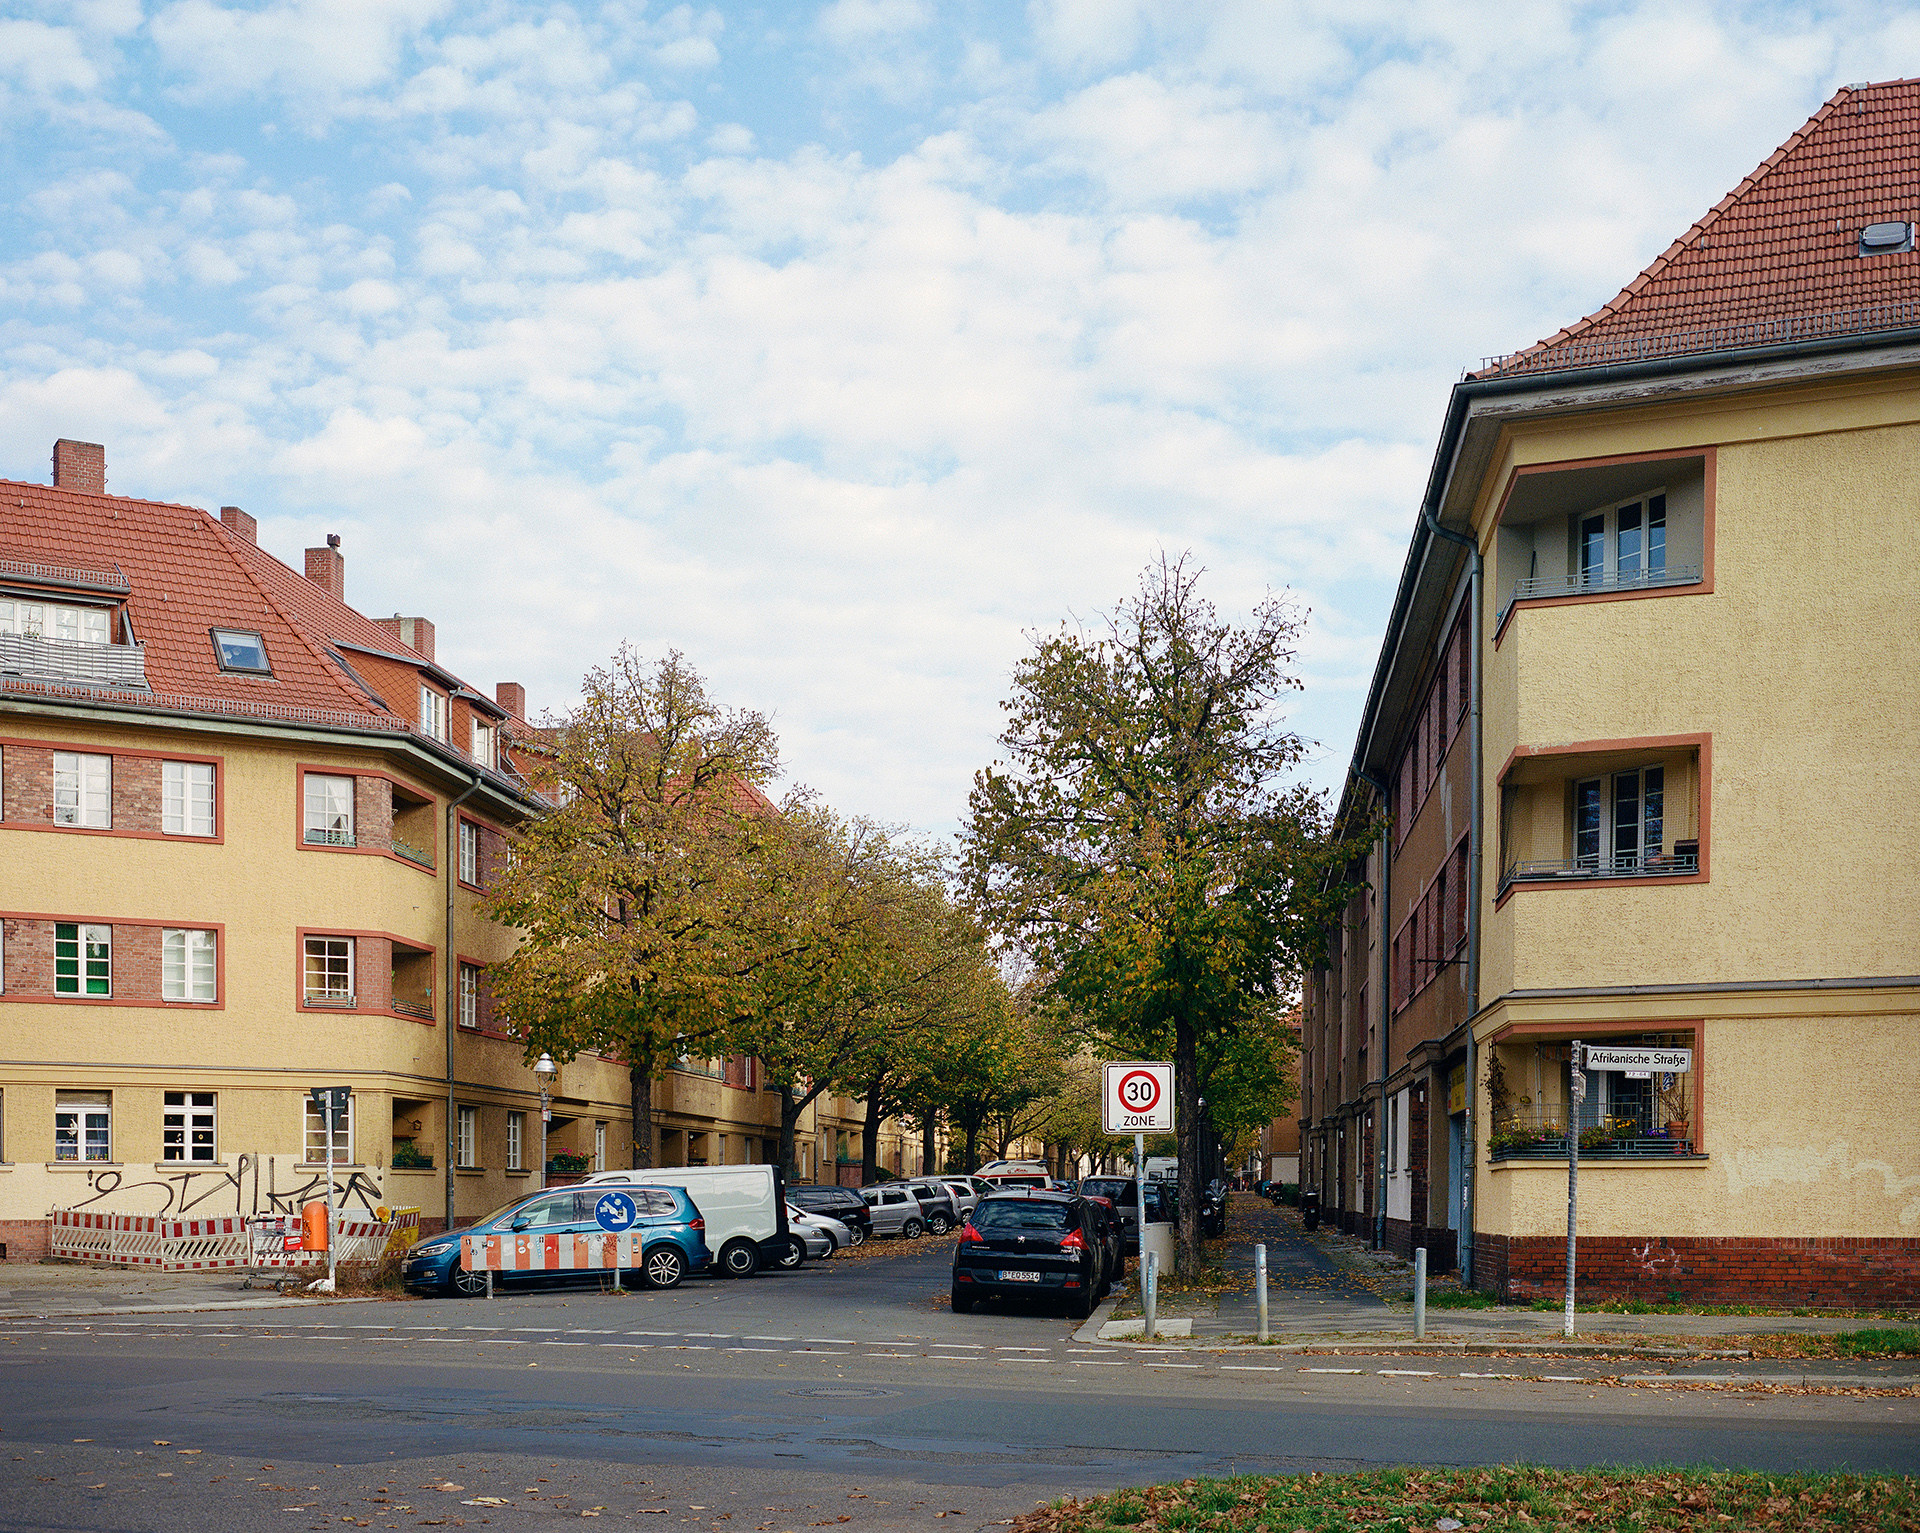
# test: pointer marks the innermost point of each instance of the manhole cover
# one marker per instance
(842, 1392)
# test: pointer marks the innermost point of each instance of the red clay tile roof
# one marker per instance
(1777, 258)
(190, 574)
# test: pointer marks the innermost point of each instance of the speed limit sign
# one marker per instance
(1138, 1098)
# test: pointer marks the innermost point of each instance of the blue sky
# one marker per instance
(841, 346)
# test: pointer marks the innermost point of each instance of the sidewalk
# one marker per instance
(1325, 1289)
(43, 1289)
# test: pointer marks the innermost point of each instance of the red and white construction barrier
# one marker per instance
(593, 1251)
(195, 1245)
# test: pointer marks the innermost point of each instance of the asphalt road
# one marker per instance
(845, 1391)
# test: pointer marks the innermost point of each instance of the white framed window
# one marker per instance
(483, 738)
(516, 1138)
(187, 970)
(469, 852)
(186, 798)
(186, 1126)
(38, 620)
(599, 1147)
(1624, 544)
(1619, 821)
(469, 995)
(83, 1125)
(329, 810)
(329, 971)
(82, 790)
(82, 959)
(433, 712)
(317, 1136)
(469, 1135)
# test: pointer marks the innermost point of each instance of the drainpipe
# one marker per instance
(1383, 906)
(1476, 853)
(451, 991)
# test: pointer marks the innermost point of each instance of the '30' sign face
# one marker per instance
(1138, 1099)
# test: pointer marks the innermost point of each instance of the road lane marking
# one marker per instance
(1566, 1378)
(1023, 1349)
(763, 1338)
(1078, 1362)
(959, 1346)
(1405, 1373)
(1238, 1368)
(1489, 1375)
(831, 1341)
(730, 1349)
(653, 1333)
(1169, 1365)
(1329, 1370)
(500, 1342)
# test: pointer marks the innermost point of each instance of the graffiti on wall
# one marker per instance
(253, 1184)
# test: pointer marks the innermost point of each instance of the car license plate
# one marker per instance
(1019, 1277)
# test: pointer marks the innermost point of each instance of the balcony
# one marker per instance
(73, 661)
(1632, 1135)
(412, 853)
(1684, 860)
(1533, 588)
(340, 1000)
(421, 1009)
(329, 837)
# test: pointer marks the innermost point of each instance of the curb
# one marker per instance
(172, 1309)
(1091, 1330)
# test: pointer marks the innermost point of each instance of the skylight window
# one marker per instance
(1886, 239)
(241, 650)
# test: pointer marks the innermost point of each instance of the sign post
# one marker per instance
(1137, 1098)
(615, 1213)
(1577, 1081)
(332, 1104)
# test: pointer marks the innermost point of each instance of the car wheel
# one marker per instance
(939, 1224)
(663, 1267)
(962, 1303)
(856, 1236)
(740, 1258)
(794, 1255)
(912, 1229)
(468, 1285)
(1081, 1304)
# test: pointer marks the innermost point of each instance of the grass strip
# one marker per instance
(1508, 1499)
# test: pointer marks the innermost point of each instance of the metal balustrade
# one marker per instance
(1535, 587)
(33, 658)
(420, 1009)
(1633, 1131)
(1684, 859)
(412, 853)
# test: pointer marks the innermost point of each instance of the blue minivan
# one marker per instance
(674, 1241)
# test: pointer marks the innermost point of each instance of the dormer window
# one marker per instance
(47, 620)
(240, 649)
(433, 713)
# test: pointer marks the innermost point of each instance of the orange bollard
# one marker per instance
(313, 1218)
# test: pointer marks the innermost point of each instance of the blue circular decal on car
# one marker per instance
(615, 1212)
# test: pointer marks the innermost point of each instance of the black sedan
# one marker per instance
(1031, 1245)
(842, 1203)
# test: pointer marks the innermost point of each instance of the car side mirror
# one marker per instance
(521, 1223)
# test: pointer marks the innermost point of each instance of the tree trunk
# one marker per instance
(789, 1118)
(640, 1104)
(1186, 1087)
(870, 1137)
(929, 1142)
(973, 1147)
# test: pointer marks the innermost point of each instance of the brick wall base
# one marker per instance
(1778, 1271)
(26, 1240)
(1403, 1236)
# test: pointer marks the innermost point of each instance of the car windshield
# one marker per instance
(1108, 1187)
(1019, 1214)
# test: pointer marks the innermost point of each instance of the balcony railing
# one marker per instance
(1633, 1133)
(1684, 859)
(412, 853)
(420, 1009)
(1534, 587)
(73, 660)
(329, 837)
(343, 1000)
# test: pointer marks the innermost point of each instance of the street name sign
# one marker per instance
(1674, 1061)
(1138, 1098)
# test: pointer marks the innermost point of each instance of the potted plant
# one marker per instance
(407, 1156)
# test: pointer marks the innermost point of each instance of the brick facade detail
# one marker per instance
(1778, 1271)
(26, 1240)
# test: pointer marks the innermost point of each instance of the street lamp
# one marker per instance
(546, 1069)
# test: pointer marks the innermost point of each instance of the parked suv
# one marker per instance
(894, 1210)
(936, 1204)
(842, 1203)
(1031, 1244)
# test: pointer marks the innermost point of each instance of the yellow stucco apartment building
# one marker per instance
(1645, 733)
(243, 833)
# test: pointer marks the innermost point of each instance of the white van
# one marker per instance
(745, 1209)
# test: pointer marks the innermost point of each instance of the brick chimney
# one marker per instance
(327, 568)
(511, 696)
(414, 632)
(80, 466)
(239, 523)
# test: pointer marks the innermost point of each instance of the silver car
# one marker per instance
(966, 1197)
(895, 1210)
(823, 1226)
(806, 1240)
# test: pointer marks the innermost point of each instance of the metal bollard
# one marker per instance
(1419, 1291)
(1260, 1284)
(1150, 1291)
